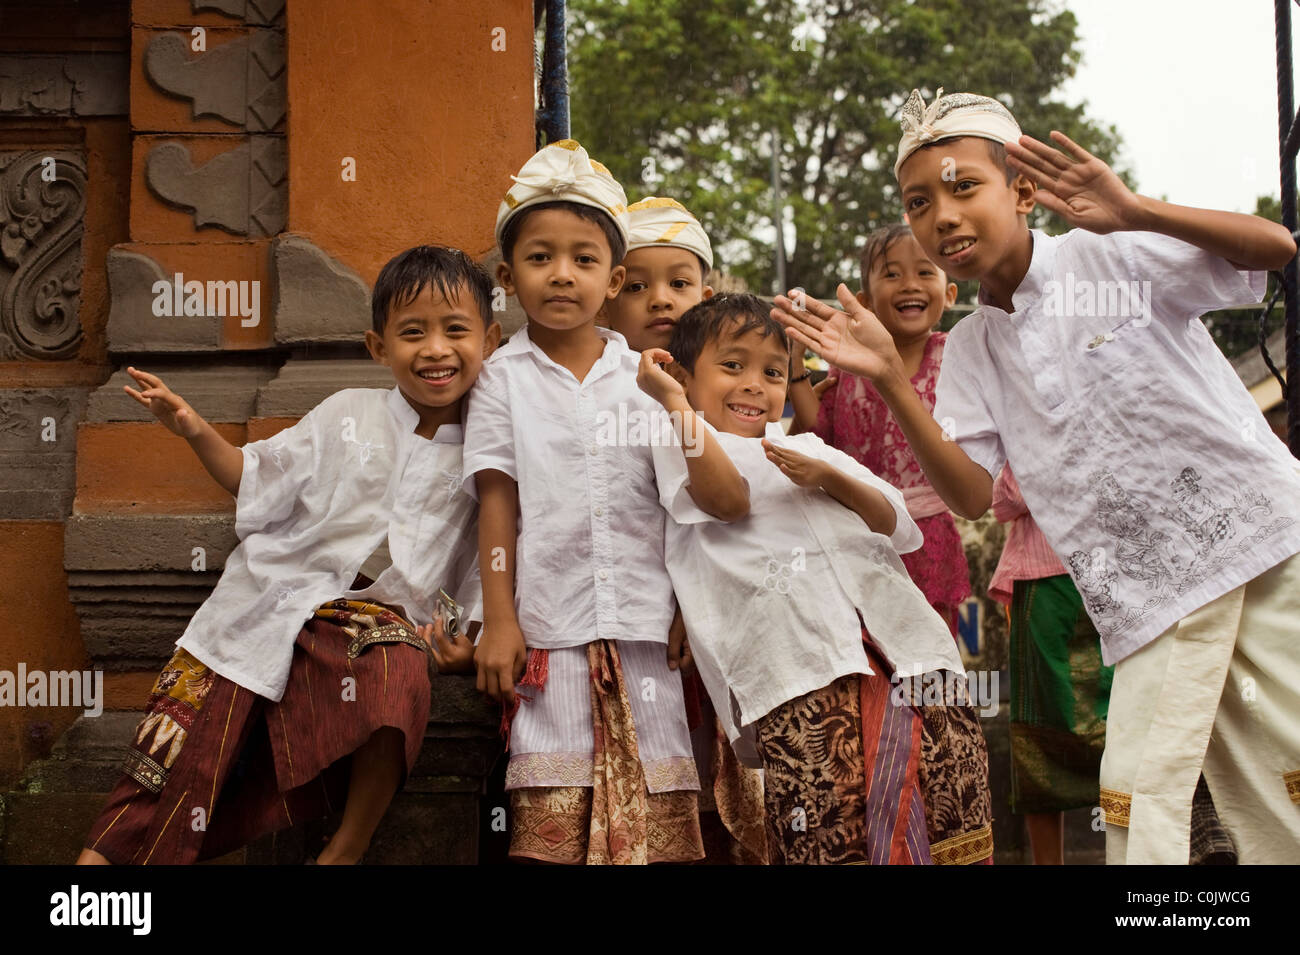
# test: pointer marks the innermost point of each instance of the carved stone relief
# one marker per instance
(244, 191)
(42, 213)
(242, 82)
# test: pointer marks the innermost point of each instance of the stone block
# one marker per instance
(38, 445)
(318, 299)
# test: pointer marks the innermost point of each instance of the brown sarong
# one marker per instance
(212, 766)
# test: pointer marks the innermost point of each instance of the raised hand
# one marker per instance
(853, 339)
(1078, 187)
(168, 407)
(656, 382)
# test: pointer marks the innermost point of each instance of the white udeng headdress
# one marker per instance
(957, 114)
(657, 221)
(563, 172)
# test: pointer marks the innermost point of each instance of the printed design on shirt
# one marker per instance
(366, 450)
(283, 596)
(277, 449)
(452, 480)
(779, 574)
(1205, 532)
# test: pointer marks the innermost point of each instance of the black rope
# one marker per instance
(1263, 329)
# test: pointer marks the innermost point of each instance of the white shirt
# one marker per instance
(589, 554)
(771, 601)
(314, 502)
(1141, 455)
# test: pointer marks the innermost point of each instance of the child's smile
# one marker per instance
(739, 382)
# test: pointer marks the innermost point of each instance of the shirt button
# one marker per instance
(600, 511)
(604, 575)
(592, 449)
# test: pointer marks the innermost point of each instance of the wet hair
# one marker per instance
(876, 245)
(997, 153)
(617, 245)
(709, 320)
(447, 270)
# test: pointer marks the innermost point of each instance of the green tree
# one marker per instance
(681, 97)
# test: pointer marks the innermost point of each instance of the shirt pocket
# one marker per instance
(1112, 349)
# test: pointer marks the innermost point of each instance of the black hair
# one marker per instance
(446, 269)
(706, 322)
(876, 245)
(996, 151)
(617, 244)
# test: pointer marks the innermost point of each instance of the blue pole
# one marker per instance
(553, 119)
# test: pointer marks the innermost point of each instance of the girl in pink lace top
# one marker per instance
(908, 293)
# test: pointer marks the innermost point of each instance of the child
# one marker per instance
(908, 293)
(1059, 687)
(668, 257)
(576, 598)
(1141, 455)
(273, 672)
(779, 604)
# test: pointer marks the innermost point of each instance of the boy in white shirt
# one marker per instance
(577, 603)
(321, 691)
(800, 612)
(1142, 456)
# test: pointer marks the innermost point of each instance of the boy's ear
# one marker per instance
(707, 293)
(1024, 188)
(950, 295)
(864, 300)
(679, 373)
(492, 339)
(375, 345)
(616, 278)
(505, 278)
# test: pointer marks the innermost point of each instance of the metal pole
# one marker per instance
(778, 217)
(1285, 119)
(554, 119)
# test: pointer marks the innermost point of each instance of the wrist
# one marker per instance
(799, 379)
(1144, 214)
(676, 404)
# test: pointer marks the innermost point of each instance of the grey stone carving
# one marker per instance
(132, 324)
(244, 191)
(242, 82)
(38, 448)
(318, 299)
(69, 84)
(42, 209)
(258, 12)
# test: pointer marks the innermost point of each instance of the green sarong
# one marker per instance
(1060, 692)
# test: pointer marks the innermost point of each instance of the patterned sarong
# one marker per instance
(616, 820)
(841, 775)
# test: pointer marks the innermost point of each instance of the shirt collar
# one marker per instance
(1042, 259)
(408, 419)
(616, 350)
(774, 429)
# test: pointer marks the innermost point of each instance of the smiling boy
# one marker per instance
(1143, 458)
(291, 612)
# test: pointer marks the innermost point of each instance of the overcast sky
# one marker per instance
(1192, 87)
